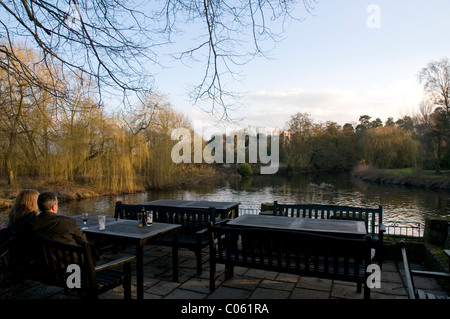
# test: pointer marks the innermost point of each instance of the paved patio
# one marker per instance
(246, 283)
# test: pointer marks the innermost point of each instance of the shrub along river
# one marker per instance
(400, 204)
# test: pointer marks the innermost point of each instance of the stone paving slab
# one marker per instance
(245, 284)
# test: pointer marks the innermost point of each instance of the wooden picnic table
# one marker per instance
(126, 232)
(331, 249)
(330, 227)
(224, 209)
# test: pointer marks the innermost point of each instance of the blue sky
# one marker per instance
(333, 65)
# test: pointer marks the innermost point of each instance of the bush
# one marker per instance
(244, 169)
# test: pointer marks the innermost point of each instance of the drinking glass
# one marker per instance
(101, 222)
(84, 217)
(139, 219)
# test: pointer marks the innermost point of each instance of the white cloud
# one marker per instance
(273, 109)
(332, 104)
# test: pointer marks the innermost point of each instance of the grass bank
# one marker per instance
(404, 177)
(68, 191)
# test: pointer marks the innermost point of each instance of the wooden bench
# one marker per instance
(193, 234)
(372, 217)
(294, 252)
(11, 272)
(14, 265)
(414, 293)
(55, 257)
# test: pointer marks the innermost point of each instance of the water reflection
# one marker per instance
(399, 203)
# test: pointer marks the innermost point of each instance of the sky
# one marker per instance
(350, 58)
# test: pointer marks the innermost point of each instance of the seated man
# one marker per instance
(50, 225)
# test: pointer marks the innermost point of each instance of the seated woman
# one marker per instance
(24, 209)
(16, 248)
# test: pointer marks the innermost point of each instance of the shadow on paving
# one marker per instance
(245, 284)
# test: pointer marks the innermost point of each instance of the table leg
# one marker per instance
(140, 271)
(175, 256)
(447, 252)
(234, 212)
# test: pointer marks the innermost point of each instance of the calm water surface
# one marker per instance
(400, 204)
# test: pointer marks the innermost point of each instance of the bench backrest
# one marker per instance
(191, 219)
(126, 211)
(372, 217)
(16, 256)
(55, 257)
(291, 251)
(6, 263)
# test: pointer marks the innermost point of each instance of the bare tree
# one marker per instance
(101, 40)
(436, 80)
(114, 43)
(233, 34)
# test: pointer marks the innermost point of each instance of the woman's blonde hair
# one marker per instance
(25, 203)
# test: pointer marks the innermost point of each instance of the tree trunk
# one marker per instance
(437, 153)
(9, 168)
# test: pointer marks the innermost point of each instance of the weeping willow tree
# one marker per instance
(128, 152)
(114, 168)
(389, 147)
(72, 138)
(149, 131)
(25, 112)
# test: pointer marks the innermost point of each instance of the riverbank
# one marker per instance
(68, 191)
(403, 177)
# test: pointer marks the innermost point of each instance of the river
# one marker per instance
(400, 204)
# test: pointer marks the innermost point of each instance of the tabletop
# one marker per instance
(325, 226)
(125, 228)
(194, 203)
(224, 209)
